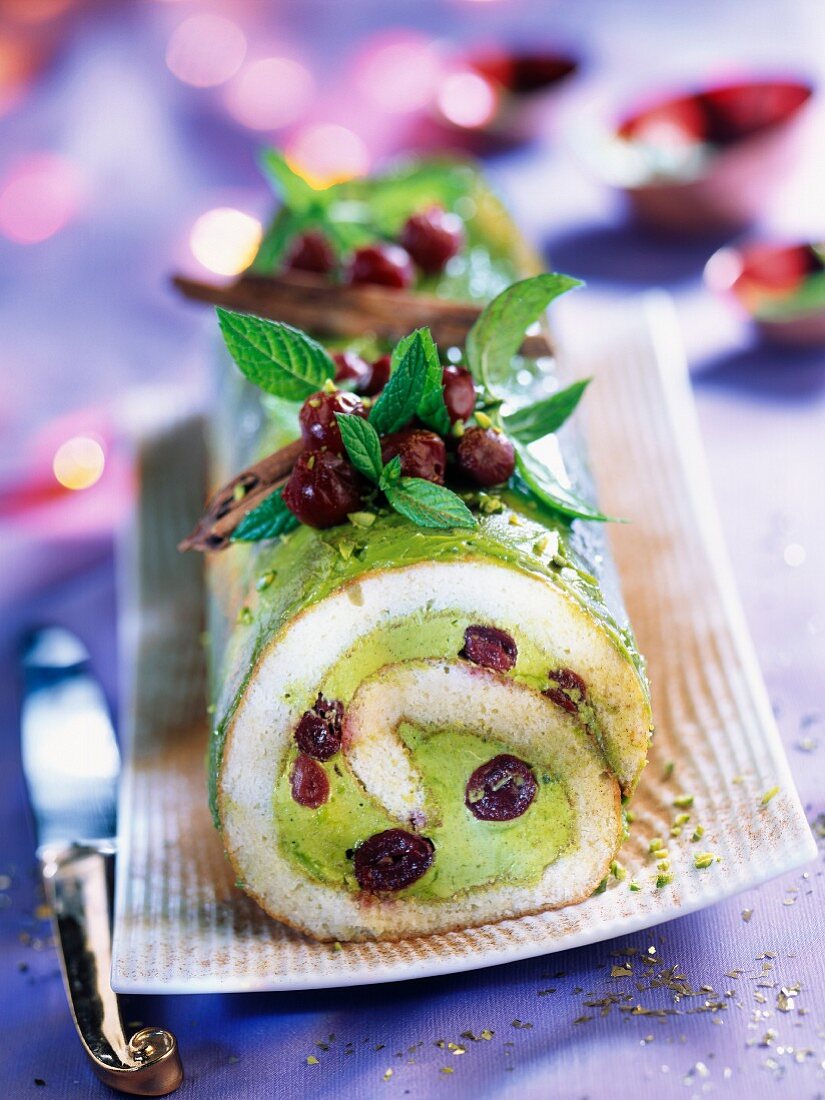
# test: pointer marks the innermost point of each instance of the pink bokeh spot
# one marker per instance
(38, 197)
(270, 93)
(466, 99)
(398, 72)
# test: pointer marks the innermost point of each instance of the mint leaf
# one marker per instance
(362, 444)
(276, 357)
(294, 191)
(431, 407)
(550, 490)
(543, 417)
(400, 398)
(391, 474)
(428, 505)
(268, 520)
(498, 333)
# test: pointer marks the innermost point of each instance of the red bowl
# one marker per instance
(779, 286)
(522, 85)
(709, 160)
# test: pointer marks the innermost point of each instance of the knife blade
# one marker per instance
(71, 765)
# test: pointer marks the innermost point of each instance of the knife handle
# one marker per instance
(77, 889)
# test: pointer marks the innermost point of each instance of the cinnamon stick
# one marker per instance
(329, 309)
(231, 503)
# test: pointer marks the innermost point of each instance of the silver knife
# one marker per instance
(72, 764)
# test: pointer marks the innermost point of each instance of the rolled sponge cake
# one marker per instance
(418, 717)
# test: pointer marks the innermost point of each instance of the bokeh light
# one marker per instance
(225, 240)
(270, 93)
(79, 462)
(34, 11)
(398, 73)
(325, 153)
(466, 99)
(39, 195)
(206, 50)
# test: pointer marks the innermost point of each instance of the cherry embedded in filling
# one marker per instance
(486, 456)
(310, 252)
(392, 860)
(318, 733)
(323, 489)
(523, 73)
(422, 453)
(500, 790)
(433, 237)
(381, 264)
(459, 393)
(567, 689)
(309, 783)
(319, 428)
(489, 647)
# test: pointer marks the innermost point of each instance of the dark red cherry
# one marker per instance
(318, 733)
(350, 367)
(459, 393)
(309, 783)
(383, 264)
(486, 456)
(377, 377)
(501, 789)
(310, 252)
(323, 489)
(422, 453)
(319, 428)
(490, 647)
(433, 237)
(392, 860)
(567, 689)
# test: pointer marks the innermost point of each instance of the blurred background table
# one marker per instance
(112, 152)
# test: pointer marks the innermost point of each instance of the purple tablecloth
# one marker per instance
(743, 1012)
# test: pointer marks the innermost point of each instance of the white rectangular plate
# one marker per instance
(181, 925)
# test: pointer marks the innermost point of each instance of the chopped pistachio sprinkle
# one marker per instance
(265, 580)
(635, 887)
(656, 844)
(387, 1074)
(682, 819)
(600, 889)
(362, 519)
(239, 492)
(684, 801)
(618, 871)
(768, 795)
(663, 879)
(483, 420)
(698, 833)
(703, 860)
(245, 616)
(668, 772)
(312, 1060)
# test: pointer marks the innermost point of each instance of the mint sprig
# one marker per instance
(401, 396)
(363, 445)
(276, 357)
(427, 504)
(499, 331)
(268, 520)
(550, 491)
(543, 417)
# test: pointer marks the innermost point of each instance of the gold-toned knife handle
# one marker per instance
(77, 889)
